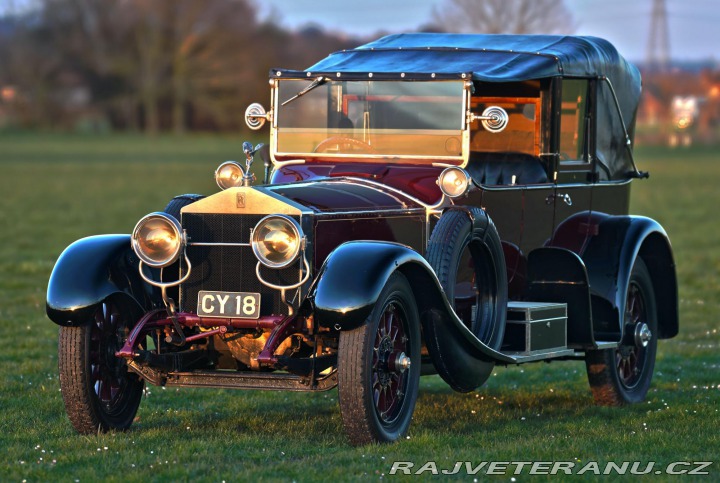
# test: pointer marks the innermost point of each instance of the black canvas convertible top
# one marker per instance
(490, 58)
(505, 58)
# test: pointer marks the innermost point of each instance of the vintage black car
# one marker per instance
(432, 204)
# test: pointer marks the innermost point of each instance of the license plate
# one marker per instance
(228, 304)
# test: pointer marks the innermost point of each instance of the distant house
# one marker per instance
(709, 118)
(653, 109)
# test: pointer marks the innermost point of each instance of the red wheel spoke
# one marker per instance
(104, 337)
(388, 322)
(387, 382)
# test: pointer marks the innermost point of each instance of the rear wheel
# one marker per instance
(621, 376)
(99, 391)
(379, 368)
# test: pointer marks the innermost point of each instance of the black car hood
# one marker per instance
(345, 195)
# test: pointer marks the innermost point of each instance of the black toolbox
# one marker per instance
(534, 327)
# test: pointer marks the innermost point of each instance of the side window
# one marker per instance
(573, 129)
(522, 134)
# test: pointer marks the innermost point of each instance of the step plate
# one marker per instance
(521, 358)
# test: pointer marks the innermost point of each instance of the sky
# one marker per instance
(694, 25)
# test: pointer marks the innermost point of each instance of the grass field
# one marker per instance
(55, 189)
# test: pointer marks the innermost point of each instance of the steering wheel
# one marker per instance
(342, 140)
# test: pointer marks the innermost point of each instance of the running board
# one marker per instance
(521, 358)
(537, 331)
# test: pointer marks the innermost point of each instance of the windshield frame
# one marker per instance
(280, 157)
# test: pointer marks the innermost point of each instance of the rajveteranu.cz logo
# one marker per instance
(551, 468)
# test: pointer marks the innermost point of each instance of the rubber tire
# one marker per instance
(82, 404)
(451, 235)
(355, 355)
(179, 202)
(601, 365)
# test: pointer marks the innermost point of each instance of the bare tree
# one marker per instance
(150, 47)
(150, 64)
(505, 17)
(211, 52)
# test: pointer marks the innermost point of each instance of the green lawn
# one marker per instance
(55, 189)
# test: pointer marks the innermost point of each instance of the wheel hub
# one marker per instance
(391, 362)
(399, 362)
(643, 334)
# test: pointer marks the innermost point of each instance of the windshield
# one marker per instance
(380, 118)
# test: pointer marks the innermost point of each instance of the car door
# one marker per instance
(572, 194)
(572, 201)
(538, 209)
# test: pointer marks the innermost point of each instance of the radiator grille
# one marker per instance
(230, 269)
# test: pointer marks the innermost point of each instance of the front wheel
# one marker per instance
(98, 390)
(379, 368)
(622, 376)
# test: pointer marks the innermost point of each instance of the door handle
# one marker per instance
(563, 196)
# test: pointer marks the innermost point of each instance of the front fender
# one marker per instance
(609, 258)
(349, 284)
(351, 279)
(89, 271)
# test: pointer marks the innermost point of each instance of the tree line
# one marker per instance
(178, 65)
(150, 65)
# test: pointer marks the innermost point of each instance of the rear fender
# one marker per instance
(89, 271)
(609, 258)
(349, 284)
(559, 275)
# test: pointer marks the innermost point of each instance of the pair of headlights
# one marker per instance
(158, 239)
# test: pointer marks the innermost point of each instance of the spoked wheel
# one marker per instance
(621, 376)
(379, 368)
(98, 390)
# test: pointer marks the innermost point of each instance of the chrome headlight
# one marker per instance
(276, 241)
(454, 182)
(229, 175)
(158, 239)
